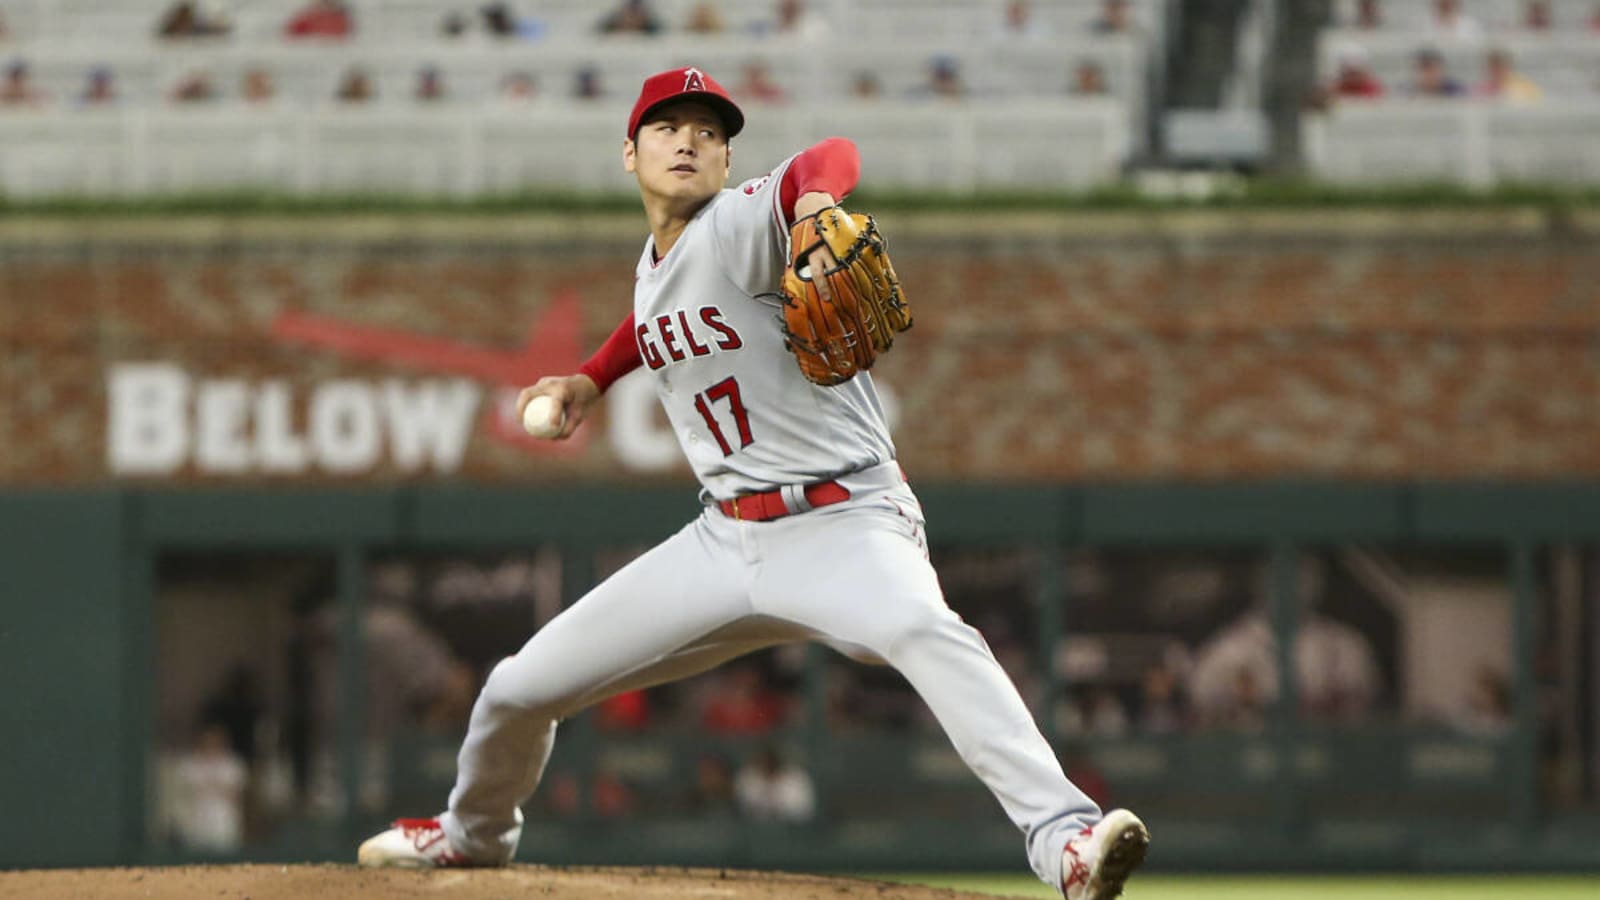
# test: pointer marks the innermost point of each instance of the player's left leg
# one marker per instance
(879, 592)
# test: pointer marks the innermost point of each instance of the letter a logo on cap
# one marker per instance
(693, 80)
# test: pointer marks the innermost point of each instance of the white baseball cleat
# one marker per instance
(1096, 864)
(411, 844)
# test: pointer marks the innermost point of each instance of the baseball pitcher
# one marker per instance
(759, 311)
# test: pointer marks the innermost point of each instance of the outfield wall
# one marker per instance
(1086, 346)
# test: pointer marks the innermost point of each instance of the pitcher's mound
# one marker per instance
(310, 882)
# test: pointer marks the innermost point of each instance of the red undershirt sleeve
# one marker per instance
(618, 356)
(832, 167)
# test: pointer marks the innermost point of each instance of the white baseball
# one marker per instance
(543, 417)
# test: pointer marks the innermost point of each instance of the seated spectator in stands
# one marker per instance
(1088, 80)
(453, 26)
(321, 19)
(632, 17)
(740, 702)
(944, 80)
(705, 18)
(1018, 23)
(430, 86)
(771, 789)
(355, 87)
(1369, 15)
(18, 88)
(587, 84)
(1450, 22)
(1536, 15)
(185, 19)
(712, 792)
(1115, 18)
(100, 89)
(1502, 81)
(1355, 79)
(865, 86)
(792, 18)
(758, 85)
(519, 88)
(194, 87)
(1160, 711)
(256, 87)
(1430, 77)
(501, 22)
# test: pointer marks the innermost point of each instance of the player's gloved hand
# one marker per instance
(576, 394)
(842, 300)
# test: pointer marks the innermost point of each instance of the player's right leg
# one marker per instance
(680, 608)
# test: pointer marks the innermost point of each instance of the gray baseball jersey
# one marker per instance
(853, 574)
(710, 330)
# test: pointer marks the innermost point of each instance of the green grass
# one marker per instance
(1292, 887)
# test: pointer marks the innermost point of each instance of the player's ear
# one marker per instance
(629, 155)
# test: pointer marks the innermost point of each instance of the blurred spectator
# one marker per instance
(771, 789)
(1081, 769)
(211, 781)
(1115, 18)
(712, 792)
(1018, 23)
(1159, 709)
(430, 85)
(1450, 22)
(632, 17)
(587, 86)
(865, 86)
(1536, 15)
(238, 708)
(792, 18)
(1236, 670)
(185, 19)
(501, 22)
(1430, 77)
(321, 19)
(1354, 80)
(1369, 15)
(453, 25)
(519, 88)
(758, 85)
(704, 18)
(1089, 80)
(1502, 81)
(740, 702)
(1092, 711)
(627, 711)
(355, 87)
(100, 89)
(1594, 18)
(944, 79)
(256, 87)
(194, 87)
(1488, 703)
(18, 88)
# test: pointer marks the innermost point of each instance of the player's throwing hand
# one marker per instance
(575, 394)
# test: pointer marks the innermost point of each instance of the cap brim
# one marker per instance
(732, 118)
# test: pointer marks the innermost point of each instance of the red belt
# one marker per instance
(770, 505)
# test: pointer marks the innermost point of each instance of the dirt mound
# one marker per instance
(268, 882)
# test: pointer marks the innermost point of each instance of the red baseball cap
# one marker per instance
(686, 83)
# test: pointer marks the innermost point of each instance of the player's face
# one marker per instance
(680, 153)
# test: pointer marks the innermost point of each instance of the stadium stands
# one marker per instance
(180, 119)
(1538, 119)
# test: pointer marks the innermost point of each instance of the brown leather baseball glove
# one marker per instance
(837, 321)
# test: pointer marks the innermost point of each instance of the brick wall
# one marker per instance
(1098, 347)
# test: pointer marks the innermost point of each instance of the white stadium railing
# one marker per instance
(1478, 144)
(466, 151)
